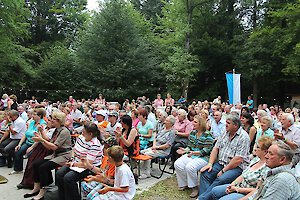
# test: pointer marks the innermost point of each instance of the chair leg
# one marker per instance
(163, 170)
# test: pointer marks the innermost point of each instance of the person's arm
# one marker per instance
(107, 188)
(5, 135)
(188, 130)
(252, 133)
(212, 159)
(20, 142)
(130, 139)
(162, 147)
(149, 135)
(234, 162)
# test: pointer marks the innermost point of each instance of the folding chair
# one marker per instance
(163, 170)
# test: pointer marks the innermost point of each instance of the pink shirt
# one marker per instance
(135, 122)
(185, 126)
(157, 103)
(169, 102)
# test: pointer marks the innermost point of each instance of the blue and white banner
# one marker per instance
(234, 88)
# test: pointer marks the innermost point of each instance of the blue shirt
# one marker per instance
(31, 129)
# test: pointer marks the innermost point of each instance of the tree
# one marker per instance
(117, 52)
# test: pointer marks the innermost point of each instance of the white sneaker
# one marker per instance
(15, 172)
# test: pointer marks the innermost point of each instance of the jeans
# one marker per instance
(209, 180)
(18, 160)
(66, 180)
(7, 148)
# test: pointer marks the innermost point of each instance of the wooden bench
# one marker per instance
(139, 158)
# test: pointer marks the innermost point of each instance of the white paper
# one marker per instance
(77, 169)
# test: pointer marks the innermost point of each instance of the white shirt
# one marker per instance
(124, 178)
(76, 114)
(24, 116)
(112, 129)
(19, 125)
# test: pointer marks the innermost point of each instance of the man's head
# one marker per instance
(162, 116)
(217, 116)
(279, 154)
(100, 115)
(21, 109)
(115, 154)
(13, 114)
(113, 116)
(227, 109)
(214, 108)
(233, 123)
(287, 120)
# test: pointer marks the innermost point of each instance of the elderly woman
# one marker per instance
(195, 156)
(87, 147)
(60, 143)
(183, 127)
(250, 178)
(265, 128)
(160, 125)
(161, 145)
(37, 125)
(145, 129)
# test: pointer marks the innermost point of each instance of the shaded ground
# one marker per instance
(164, 190)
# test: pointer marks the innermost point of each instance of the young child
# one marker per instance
(124, 184)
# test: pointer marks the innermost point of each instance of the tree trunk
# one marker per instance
(185, 87)
(255, 91)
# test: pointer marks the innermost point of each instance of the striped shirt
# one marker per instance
(203, 144)
(91, 150)
(280, 184)
(238, 146)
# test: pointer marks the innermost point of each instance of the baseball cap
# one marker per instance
(101, 112)
(113, 113)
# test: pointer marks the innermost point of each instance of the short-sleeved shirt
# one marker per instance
(19, 126)
(91, 150)
(157, 103)
(77, 114)
(238, 146)
(184, 126)
(252, 177)
(111, 129)
(143, 130)
(268, 132)
(165, 137)
(217, 129)
(293, 134)
(123, 178)
(32, 128)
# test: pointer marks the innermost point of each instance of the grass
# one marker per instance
(164, 190)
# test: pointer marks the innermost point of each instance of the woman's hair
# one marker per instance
(135, 111)
(268, 120)
(246, 109)
(92, 128)
(126, 119)
(183, 112)
(40, 112)
(172, 119)
(67, 109)
(116, 153)
(13, 97)
(143, 112)
(60, 116)
(265, 142)
(201, 121)
(249, 117)
(169, 113)
(205, 112)
(191, 114)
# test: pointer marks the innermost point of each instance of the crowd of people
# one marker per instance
(218, 150)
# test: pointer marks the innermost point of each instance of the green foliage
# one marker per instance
(117, 53)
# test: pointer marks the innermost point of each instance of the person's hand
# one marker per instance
(90, 178)
(220, 173)
(206, 167)
(85, 163)
(180, 151)
(29, 150)
(105, 189)
(278, 135)
(231, 189)
(118, 132)
(17, 147)
(190, 154)
(39, 127)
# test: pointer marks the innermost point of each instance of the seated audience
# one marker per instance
(37, 125)
(60, 144)
(161, 145)
(227, 160)
(196, 156)
(251, 176)
(280, 182)
(87, 146)
(124, 183)
(145, 129)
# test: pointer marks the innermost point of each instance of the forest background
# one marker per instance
(125, 49)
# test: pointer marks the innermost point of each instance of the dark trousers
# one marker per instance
(7, 148)
(18, 159)
(66, 180)
(42, 172)
(174, 148)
